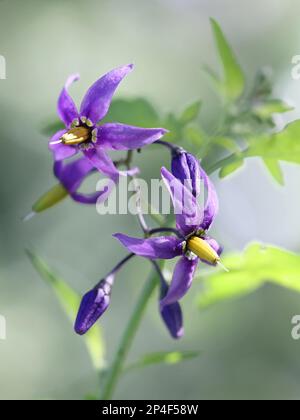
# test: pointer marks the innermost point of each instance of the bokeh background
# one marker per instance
(247, 349)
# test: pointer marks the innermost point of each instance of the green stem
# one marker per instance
(223, 162)
(117, 365)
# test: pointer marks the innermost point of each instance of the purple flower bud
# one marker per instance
(93, 304)
(186, 168)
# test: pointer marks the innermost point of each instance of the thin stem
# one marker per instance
(117, 365)
(139, 209)
(172, 147)
(220, 163)
(121, 263)
(166, 229)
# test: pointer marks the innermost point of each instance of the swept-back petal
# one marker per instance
(72, 174)
(212, 203)
(101, 161)
(66, 107)
(182, 279)
(171, 314)
(116, 136)
(96, 101)
(186, 168)
(164, 247)
(189, 215)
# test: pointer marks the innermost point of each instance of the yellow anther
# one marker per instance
(203, 250)
(76, 135)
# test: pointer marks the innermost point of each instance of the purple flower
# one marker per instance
(93, 304)
(82, 132)
(192, 222)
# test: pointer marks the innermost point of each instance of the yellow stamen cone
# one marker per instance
(76, 135)
(203, 250)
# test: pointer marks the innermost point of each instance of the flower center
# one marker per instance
(76, 135)
(203, 250)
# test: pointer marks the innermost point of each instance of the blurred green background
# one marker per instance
(247, 349)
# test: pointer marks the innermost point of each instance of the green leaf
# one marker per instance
(137, 111)
(234, 81)
(169, 358)
(190, 113)
(284, 145)
(275, 170)
(214, 79)
(70, 302)
(266, 109)
(232, 167)
(194, 135)
(250, 270)
(227, 143)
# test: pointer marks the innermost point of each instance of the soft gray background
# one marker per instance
(247, 348)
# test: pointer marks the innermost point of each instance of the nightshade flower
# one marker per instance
(82, 132)
(192, 242)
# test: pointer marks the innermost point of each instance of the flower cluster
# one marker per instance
(189, 240)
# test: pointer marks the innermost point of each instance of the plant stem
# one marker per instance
(117, 365)
(220, 163)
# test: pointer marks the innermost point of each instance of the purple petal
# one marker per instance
(212, 203)
(101, 161)
(182, 279)
(189, 216)
(94, 198)
(61, 151)
(66, 107)
(97, 100)
(186, 168)
(115, 136)
(72, 174)
(171, 314)
(94, 303)
(164, 247)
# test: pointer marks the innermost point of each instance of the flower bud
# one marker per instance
(93, 304)
(50, 198)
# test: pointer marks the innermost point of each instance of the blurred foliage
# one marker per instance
(70, 302)
(232, 87)
(168, 358)
(248, 271)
